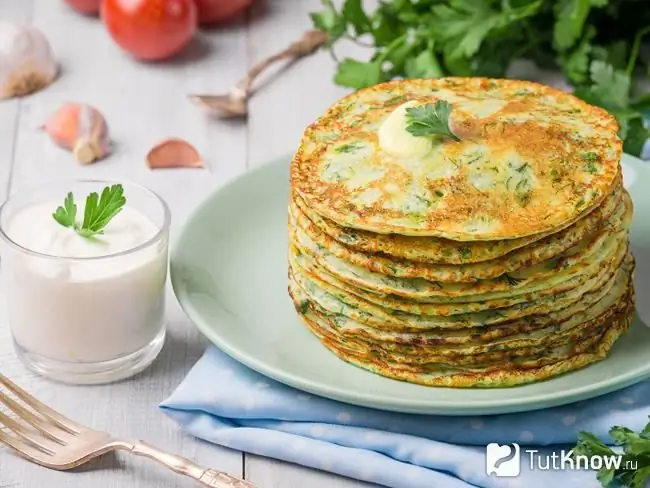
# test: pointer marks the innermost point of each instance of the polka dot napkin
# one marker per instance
(223, 402)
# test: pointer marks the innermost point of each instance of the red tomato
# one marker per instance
(150, 29)
(85, 6)
(215, 11)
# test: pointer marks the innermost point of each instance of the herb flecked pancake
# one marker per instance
(462, 232)
(530, 159)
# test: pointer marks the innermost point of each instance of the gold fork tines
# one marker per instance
(46, 437)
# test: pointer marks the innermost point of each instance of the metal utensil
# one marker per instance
(235, 103)
(45, 437)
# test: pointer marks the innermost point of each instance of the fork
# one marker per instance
(45, 437)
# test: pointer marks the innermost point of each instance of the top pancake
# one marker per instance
(530, 159)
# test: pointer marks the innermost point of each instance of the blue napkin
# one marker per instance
(223, 402)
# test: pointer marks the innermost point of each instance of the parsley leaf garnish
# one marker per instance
(67, 214)
(430, 120)
(98, 212)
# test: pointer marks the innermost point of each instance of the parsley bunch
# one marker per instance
(634, 471)
(596, 44)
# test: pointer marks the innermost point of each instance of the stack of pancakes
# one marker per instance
(496, 260)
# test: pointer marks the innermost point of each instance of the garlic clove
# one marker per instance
(174, 153)
(82, 129)
(26, 61)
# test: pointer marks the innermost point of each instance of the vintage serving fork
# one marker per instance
(46, 437)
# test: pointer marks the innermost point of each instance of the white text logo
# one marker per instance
(504, 460)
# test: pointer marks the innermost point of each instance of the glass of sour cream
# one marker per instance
(81, 309)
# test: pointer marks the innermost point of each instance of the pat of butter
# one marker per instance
(396, 140)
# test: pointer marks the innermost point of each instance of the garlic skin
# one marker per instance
(81, 129)
(26, 61)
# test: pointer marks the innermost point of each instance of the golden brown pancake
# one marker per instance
(530, 159)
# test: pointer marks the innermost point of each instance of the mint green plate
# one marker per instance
(229, 272)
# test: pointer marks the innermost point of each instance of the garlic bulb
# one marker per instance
(81, 129)
(26, 61)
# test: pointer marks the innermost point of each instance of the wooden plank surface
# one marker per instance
(143, 104)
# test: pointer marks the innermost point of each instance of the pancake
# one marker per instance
(546, 362)
(518, 372)
(445, 251)
(333, 261)
(530, 159)
(526, 328)
(338, 301)
(609, 304)
(611, 255)
(432, 361)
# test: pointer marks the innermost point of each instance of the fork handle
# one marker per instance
(181, 465)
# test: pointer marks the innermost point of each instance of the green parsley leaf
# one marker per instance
(424, 65)
(640, 477)
(610, 88)
(642, 103)
(636, 135)
(356, 17)
(462, 27)
(634, 470)
(615, 54)
(570, 19)
(430, 120)
(357, 74)
(387, 23)
(67, 214)
(575, 63)
(98, 212)
(329, 21)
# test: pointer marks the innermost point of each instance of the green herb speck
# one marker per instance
(348, 147)
(511, 280)
(465, 252)
(395, 100)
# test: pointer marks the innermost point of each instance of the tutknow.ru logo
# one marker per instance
(504, 460)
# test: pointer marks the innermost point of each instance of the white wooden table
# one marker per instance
(143, 104)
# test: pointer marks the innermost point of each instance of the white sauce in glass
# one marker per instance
(84, 310)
